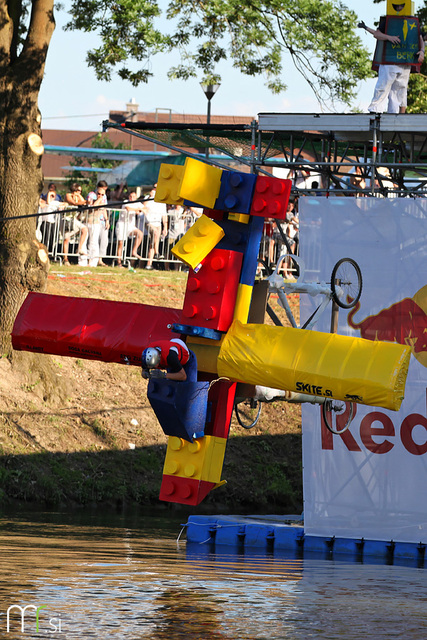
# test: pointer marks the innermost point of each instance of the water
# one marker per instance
(108, 576)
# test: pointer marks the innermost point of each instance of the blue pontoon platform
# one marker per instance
(280, 534)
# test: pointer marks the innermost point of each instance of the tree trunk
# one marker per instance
(23, 260)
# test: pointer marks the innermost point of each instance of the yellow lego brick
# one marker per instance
(199, 240)
(206, 351)
(168, 183)
(200, 183)
(243, 302)
(239, 217)
(200, 460)
(205, 341)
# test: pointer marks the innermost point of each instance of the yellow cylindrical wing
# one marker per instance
(322, 364)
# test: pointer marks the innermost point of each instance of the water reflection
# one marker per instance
(126, 578)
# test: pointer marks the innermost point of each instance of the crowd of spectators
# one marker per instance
(121, 226)
(118, 226)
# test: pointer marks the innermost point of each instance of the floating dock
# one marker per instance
(284, 535)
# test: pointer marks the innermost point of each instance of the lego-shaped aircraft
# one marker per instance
(222, 323)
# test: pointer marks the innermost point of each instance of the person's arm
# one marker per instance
(107, 218)
(164, 225)
(176, 370)
(180, 376)
(379, 35)
(421, 45)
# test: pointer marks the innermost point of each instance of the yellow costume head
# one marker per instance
(400, 8)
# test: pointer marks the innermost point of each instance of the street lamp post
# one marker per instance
(209, 90)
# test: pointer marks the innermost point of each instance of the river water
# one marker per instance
(105, 575)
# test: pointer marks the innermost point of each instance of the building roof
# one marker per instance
(52, 164)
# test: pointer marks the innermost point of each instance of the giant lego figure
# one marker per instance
(400, 49)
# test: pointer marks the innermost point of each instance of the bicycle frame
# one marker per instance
(277, 284)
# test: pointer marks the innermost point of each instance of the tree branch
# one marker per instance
(40, 30)
(15, 13)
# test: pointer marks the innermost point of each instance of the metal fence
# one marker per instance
(70, 241)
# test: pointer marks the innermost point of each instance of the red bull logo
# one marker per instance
(405, 322)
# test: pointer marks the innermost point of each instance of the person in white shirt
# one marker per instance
(126, 227)
(98, 225)
(157, 225)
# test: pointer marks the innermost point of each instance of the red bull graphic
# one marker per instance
(404, 322)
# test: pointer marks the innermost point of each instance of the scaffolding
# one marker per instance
(353, 154)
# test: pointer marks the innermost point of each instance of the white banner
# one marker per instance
(372, 481)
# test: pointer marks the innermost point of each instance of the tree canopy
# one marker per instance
(260, 37)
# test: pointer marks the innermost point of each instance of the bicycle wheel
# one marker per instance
(247, 412)
(346, 274)
(344, 412)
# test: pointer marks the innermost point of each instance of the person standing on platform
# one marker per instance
(400, 49)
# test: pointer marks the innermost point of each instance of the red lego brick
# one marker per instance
(221, 396)
(211, 293)
(271, 197)
(184, 490)
(214, 214)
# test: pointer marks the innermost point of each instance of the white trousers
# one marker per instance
(103, 241)
(392, 83)
(93, 249)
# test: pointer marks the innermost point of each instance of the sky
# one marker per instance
(72, 98)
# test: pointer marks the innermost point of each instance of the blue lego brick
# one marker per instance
(250, 257)
(236, 235)
(180, 407)
(236, 191)
(200, 332)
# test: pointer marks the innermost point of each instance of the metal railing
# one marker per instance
(54, 227)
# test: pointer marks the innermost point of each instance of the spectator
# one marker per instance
(51, 189)
(98, 224)
(357, 182)
(126, 227)
(157, 225)
(289, 228)
(292, 228)
(177, 221)
(47, 220)
(119, 193)
(71, 223)
(191, 215)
